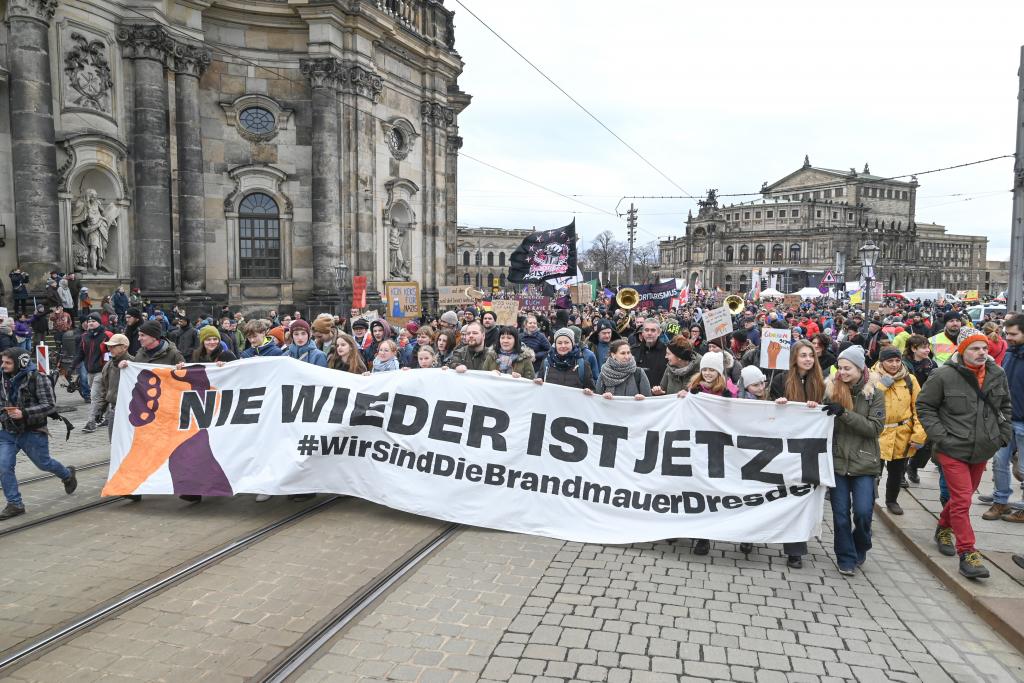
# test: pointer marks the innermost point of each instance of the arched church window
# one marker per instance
(465, 258)
(776, 252)
(490, 258)
(257, 120)
(728, 253)
(259, 237)
(744, 254)
(465, 279)
(759, 252)
(501, 258)
(794, 253)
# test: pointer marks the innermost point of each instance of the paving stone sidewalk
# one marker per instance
(656, 612)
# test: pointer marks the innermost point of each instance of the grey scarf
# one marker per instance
(614, 373)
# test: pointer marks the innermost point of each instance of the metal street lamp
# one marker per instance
(868, 259)
(344, 289)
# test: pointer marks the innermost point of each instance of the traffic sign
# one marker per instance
(829, 278)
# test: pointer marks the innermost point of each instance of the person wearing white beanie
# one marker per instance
(753, 383)
(714, 361)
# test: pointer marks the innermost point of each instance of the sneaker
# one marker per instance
(702, 546)
(89, 428)
(996, 511)
(971, 566)
(1018, 560)
(1013, 516)
(102, 422)
(11, 511)
(795, 562)
(987, 500)
(746, 548)
(894, 508)
(262, 498)
(944, 539)
(846, 571)
(71, 483)
(913, 477)
(191, 499)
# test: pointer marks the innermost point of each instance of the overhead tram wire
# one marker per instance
(856, 180)
(571, 98)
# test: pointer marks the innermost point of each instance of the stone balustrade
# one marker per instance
(426, 18)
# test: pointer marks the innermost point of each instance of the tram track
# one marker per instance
(78, 468)
(309, 647)
(20, 655)
(33, 523)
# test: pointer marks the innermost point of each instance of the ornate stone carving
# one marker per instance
(189, 58)
(233, 111)
(454, 144)
(145, 41)
(262, 177)
(69, 163)
(399, 218)
(88, 73)
(398, 264)
(359, 80)
(400, 137)
(93, 223)
(322, 72)
(436, 114)
(42, 10)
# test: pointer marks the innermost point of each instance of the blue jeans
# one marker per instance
(37, 447)
(83, 383)
(852, 542)
(1001, 476)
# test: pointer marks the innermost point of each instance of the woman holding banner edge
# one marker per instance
(802, 383)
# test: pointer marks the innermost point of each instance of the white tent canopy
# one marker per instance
(772, 294)
(809, 293)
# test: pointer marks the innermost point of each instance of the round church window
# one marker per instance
(257, 120)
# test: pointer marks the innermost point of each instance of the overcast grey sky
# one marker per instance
(731, 94)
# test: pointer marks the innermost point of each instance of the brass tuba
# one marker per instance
(734, 303)
(627, 298)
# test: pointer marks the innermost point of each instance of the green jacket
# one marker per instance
(957, 420)
(485, 359)
(855, 449)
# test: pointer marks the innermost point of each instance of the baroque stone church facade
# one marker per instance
(814, 220)
(239, 152)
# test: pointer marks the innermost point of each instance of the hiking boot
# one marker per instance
(996, 511)
(985, 499)
(971, 566)
(746, 548)
(11, 511)
(795, 562)
(89, 427)
(894, 508)
(71, 483)
(944, 540)
(1013, 515)
(912, 476)
(702, 546)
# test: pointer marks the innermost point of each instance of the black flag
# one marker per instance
(545, 256)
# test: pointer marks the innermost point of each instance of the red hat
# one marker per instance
(299, 324)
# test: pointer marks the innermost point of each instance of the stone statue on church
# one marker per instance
(398, 265)
(92, 223)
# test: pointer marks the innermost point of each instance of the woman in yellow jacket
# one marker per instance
(903, 434)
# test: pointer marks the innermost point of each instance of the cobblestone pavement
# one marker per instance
(656, 612)
(226, 623)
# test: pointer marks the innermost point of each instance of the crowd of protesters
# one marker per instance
(915, 385)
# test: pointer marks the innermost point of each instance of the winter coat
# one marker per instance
(66, 299)
(268, 348)
(484, 359)
(855, 450)
(164, 353)
(1013, 366)
(308, 354)
(92, 350)
(120, 301)
(540, 346)
(569, 377)
(733, 369)
(957, 420)
(902, 425)
(7, 341)
(675, 380)
(110, 379)
(637, 384)
(997, 349)
(522, 363)
(132, 332)
(219, 355)
(651, 359)
(19, 282)
(185, 338)
(370, 344)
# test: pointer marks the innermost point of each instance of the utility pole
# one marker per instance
(1014, 294)
(631, 232)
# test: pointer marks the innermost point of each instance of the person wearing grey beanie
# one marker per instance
(855, 355)
(566, 366)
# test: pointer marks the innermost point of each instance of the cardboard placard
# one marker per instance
(453, 296)
(358, 291)
(581, 293)
(506, 312)
(403, 301)
(792, 301)
(717, 323)
(3, 313)
(775, 348)
(534, 303)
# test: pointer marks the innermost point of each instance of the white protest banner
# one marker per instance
(717, 323)
(506, 311)
(3, 313)
(775, 348)
(477, 448)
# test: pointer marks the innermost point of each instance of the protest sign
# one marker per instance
(792, 301)
(359, 291)
(478, 449)
(658, 295)
(403, 301)
(775, 348)
(506, 312)
(453, 297)
(717, 323)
